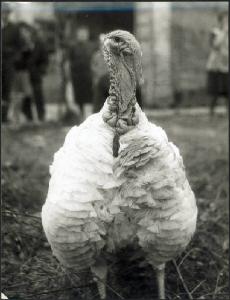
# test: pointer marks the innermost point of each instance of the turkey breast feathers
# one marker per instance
(98, 203)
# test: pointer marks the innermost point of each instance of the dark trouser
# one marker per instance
(100, 93)
(218, 86)
(177, 99)
(38, 97)
(7, 79)
(82, 87)
(27, 108)
(36, 83)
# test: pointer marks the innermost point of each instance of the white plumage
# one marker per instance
(98, 203)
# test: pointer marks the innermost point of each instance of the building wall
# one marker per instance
(175, 41)
(190, 31)
(30, 11)
(152, 28)
(143, 32)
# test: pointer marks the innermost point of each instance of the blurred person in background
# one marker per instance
(80, 53)
(37, 66)
(100, 77)
(21, 86)
(12, 46)
(217, 65)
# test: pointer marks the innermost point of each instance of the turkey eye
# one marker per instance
(117, 39)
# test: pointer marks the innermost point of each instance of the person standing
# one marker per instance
(12, 44)
(37, 66)
(217, 64)
(21, 86)
(80, 53)
(100, 77)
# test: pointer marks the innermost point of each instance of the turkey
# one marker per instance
(117, 181)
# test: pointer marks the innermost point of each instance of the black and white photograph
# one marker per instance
(115, 150)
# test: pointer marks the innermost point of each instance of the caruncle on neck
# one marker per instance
(122, 54)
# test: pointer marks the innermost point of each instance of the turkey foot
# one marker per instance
(99, 270)
(160, 272)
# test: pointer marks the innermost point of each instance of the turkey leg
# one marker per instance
(160, 272)
(99, 270)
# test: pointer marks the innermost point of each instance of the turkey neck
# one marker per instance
(121, 113)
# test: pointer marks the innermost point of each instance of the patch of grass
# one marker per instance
(28, 268)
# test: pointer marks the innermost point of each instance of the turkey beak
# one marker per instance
(106, 41)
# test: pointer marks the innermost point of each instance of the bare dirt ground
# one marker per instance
(30, 272)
